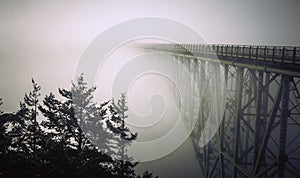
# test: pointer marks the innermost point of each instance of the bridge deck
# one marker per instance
(275, 59)
(259, 134)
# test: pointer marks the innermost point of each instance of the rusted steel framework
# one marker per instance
(259, 135)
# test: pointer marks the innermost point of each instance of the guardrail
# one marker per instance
(281, 54)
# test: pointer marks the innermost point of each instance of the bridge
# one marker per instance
(259, 134)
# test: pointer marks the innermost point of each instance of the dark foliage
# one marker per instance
(72, 136)
(122, 136)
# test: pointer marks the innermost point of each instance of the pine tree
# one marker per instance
(23, 137)
(87, 116)
(29, 112)
(62, 145)
(76, 124)
(4, 139)
(58, 121)
(123, 136)
(90, 118)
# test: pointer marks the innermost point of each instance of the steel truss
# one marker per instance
(259, 135)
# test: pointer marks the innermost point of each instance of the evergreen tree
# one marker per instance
(29, 112)
(62, 145)
(89, 115)
(4, 139)
(75, 123)
(23, 137)
(122, 137)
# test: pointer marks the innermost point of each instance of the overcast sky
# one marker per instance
(45, 39)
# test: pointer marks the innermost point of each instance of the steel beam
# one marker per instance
(268, 130)
(243, 149)
(239, 115)
(284, 114)
(258, 120)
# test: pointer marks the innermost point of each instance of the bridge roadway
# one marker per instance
(259, 135)
(283, 60)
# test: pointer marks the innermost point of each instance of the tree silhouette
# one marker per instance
(89, 116)
(122, 135)
(29, 114)
(73, 136)
(22, 137)
(67, 118)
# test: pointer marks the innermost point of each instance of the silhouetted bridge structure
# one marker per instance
(259, 135)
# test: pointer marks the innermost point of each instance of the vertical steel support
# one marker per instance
(191, 90)
(265, 98)
(268, 129)
(201, 115)
(264, 107)
(284, 114)
(258, 120)
(248, 111)
(195, 72)
(247, 149)
(221, 132)
(239, 115)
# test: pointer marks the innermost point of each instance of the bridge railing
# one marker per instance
(284, 54)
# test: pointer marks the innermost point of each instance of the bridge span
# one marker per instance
(259, 132)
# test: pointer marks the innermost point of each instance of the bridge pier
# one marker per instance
(259, 134)
(284, 114)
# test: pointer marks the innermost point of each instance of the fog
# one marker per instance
(46, 40)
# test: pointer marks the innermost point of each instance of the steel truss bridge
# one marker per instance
(259, 135)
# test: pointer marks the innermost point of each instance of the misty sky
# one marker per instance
(45, 39)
